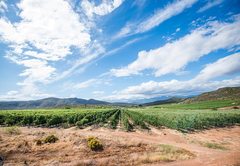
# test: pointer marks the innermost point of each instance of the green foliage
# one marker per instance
(12, 130)
(51, 117)
(201, 105)
(9, 122)
(114, 120)
(82, 122)
(90, 138)
(213, 145)
(94, 144)
(67, 107)
(235, 108)
(38, 141)
(184, 119)
(137, 118)
(126, 123)
(50, 138)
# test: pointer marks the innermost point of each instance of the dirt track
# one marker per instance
(119, 147)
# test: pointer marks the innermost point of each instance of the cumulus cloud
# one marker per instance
(153, 89)
(227, 66)
(174, 56)
(18, 96)
(210, 4)
(46, 32)
(157, 18)
(104, 8)
(3, 7)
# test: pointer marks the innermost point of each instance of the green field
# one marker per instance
(185, 119)
(182, 117)
(201, 105)
(51, 117)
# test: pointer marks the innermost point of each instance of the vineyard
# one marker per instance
(52, 117)
(179, 119)
(185, 119)
(201, 105)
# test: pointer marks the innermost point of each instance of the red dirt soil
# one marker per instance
(120, 148)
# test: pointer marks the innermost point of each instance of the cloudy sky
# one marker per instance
(117, 50)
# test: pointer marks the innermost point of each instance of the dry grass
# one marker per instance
(12, 130)
(165, 153)
(72, 149)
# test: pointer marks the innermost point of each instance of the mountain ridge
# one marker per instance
(47, 103)
(226, 93)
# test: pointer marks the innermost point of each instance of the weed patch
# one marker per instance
(13, 130)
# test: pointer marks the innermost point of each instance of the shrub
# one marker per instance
(94, 145)
(9, 122)
(67, 107)
(38, 141)
(12, 130)
(90, 138)
(50, 138)
(235, 107)
(82, 122)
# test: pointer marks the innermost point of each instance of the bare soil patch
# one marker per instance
(120, 148)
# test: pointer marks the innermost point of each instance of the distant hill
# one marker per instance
(228, 93)
(167, 101)
(46, 103)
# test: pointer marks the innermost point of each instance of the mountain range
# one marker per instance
(227, 93)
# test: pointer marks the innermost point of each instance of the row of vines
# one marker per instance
(175, 119)
(184, 120)
(54, 117)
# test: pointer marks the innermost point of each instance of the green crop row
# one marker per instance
(201, 105)
(182, 119)
(126, 123)
(54, 116)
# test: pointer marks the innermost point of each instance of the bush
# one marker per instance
(82, 122)
(9, 122)
(13, 130)
(235, 107)
(94, 145)
(50, 138)
(38, 141)
(90, 138)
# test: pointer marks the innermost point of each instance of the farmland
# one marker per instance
(157, 134)
(169, 115)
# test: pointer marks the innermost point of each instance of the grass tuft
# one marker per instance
(13, 130)
(213, 146)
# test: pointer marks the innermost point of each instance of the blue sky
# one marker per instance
(117, 50)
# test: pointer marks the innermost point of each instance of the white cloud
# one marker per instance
(178, 29)
(153, 89)
(3, 7)
(72, 96)
(17, 96)
(43, 95)
(47, 31)
(88, 83)
(98, 92)
(104, 8)
(210, 4)
(174, 56)
(138, 3)
(227, 66)
(12, 92)
(157, 18)
(14, 97)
